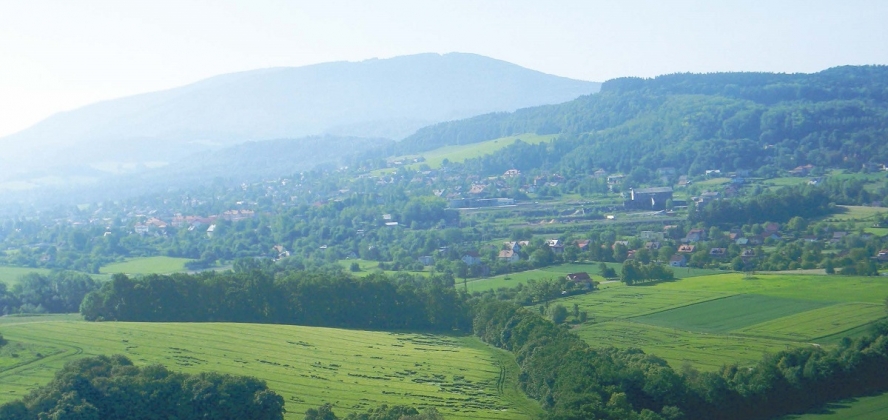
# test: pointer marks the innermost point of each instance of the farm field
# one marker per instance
(146, 265)
(709, 321)
(729, 314)
(679, 347)
(10, 275)
(823, 322)
(308, 366)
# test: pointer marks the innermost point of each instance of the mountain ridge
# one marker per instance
(394, 96)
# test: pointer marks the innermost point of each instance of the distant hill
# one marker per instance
(692, 122)
(388, 98)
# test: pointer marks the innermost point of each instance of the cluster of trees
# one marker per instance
(636, 272)
(103, 387)
(571, 380)
(331, 299)
(56, 292)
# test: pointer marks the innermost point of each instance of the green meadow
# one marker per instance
(308, 366)
(146, 265)
(710, 321)
(11, 275)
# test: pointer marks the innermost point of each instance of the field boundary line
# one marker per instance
(656, 311)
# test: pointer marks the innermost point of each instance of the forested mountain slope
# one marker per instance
(693, 122)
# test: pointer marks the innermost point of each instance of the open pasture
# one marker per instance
(679, 347)
(10, 275)
(730, 313)
(146, 265)
(308, 366)
(822, 322)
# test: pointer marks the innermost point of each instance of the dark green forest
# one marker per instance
(692, 122)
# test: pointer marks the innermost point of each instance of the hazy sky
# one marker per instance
(57, 55)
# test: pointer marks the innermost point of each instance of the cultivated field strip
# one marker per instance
(679, 347)
(352, 369)
(729, 314)
(807, 287)
(625, 302)
(823, 322)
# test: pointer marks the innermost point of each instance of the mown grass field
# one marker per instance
(435, 158)
(709, 321)
(146, 265)
(10, 275)
(308, 366)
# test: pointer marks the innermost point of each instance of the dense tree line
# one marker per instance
(303, 298)
(572, 380)
(102, 387)
(634, 272)
(56, 292)
(777, 206)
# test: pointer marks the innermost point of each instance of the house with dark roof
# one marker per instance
(582, 279)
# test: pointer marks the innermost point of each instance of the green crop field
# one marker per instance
(147, 265)
(10, 275)
(308, 366)
(729, 314)
(864, 408)
(823, 322)
(709, 321)
(435, 158)
(678, 347)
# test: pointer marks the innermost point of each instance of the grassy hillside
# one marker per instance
(461, 153)
(308, 366)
